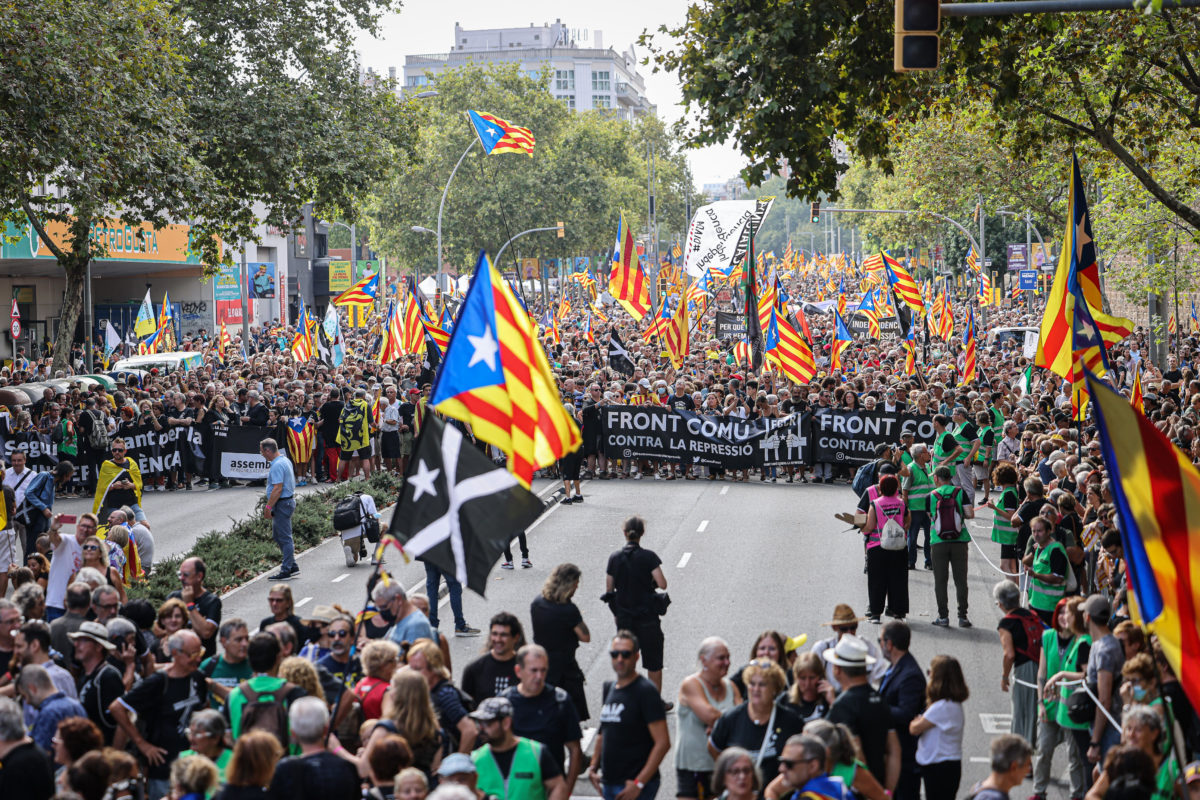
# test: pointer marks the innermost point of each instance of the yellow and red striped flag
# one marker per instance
(968, 373)
(414, 330)
(675, 334)
(903, 283)
(392, 346)
(628, 283)
(499, 135)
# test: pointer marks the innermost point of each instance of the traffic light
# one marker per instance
(917, 23)
(562, 230)
(816, 212)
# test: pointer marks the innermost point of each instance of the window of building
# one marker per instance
(601, 81)
(569, 99)
(464, 41)
(601, 101)
(564, 80)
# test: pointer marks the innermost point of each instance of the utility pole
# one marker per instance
(982, 261)
(1030, 261)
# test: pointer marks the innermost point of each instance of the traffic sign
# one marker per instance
(1028, 280)
(15, 327)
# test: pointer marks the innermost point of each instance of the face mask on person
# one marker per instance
(387, 615)
(1139, 693)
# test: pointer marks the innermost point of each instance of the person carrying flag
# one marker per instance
(354, 435)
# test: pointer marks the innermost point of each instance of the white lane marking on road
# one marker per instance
(589, 736)
(445, 601)
(996, 723)
(980, 760)
(302, 601)
(724, 489)
(341, 577)
(683, 561)
(703, 525)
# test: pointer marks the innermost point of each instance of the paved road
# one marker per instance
(180, 518)
(739, 558)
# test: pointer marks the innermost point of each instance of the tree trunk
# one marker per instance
(75, 271)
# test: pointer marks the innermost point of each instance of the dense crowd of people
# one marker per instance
(106, 696)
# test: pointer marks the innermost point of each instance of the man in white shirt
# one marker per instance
(68, 558)
(17, 478)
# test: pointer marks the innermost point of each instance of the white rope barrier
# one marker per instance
(1080, 682)
(1017, 575)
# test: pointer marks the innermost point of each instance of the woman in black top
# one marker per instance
(216, 424)
(283, 609)
(559, 627)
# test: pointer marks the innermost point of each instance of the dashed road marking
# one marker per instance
(341, 577)
(724, 490)
(703, 525)
(996, 723)
(980, 760)
(302, 601)
(683, 561)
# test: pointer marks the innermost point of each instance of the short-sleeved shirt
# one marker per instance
(625, 719)
(28, 774)
(1027, 511)
(226, 674)
(412, 627)
(487, 677)
(448, 705)
(1107, 655)
(942, 742)
(166, 704)
(736, 728)
(209, 606)
(68, 558)
(96, 694)
(281, 473)
(549, 718)
(320, 776)
(632, 569)
(865, 712)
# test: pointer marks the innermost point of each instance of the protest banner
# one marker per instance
(731, 326)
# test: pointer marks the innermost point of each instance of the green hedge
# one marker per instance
(236, 556)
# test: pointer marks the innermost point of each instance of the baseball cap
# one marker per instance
(1098, 607)
(456, 764)
(492, 708)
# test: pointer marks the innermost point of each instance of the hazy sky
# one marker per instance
(425, 26)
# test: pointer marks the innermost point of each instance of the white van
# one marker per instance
(163, 362)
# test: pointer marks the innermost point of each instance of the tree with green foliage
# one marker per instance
(220, 114)
(586, 168)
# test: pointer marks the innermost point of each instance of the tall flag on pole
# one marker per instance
(1156, 492)
(903, 284)
(112, 339)
(166, 324)
(841, 340)
(675, 334)
(500, 136)
(973, 261)
(145, 324)
(789, 350)
(968, 372)
(1135, 394)
(754, 332)
(457, 510)
(497, 378)
(628, 283)
(618, 357)
(1076, 289)
(224, 342)
(392, 346)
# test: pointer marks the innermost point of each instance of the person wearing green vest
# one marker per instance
(1047, 566)
(967, 434)
(513, 767)
(1060, 651)
(206, 735)
(1142, 727)
(982, 465)
(265, 654)
(916, 467)
(948, 537)
(1004, 532)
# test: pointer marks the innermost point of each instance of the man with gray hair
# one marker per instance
(802, 765)
(164, 700)
(1021, 641)
(28, 773)
(1011, 759)
(408, 622)
(545, 713)
(106, 602)
(316, 772)
(281, 504)
(38, 690)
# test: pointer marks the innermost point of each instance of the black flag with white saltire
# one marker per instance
(431, 362)
(457, 509)
(618, 356)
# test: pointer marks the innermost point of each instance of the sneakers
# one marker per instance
(283, 575)
(466, 631)
(566, 501)
(874, 619)
(577, 499)
(506, 565)
(637, 476)
(942, 622)
(349, 553)
(160, 488)
(963, 622)
(526, 563)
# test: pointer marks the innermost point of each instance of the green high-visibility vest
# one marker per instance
(1003, 531)
(1055, 661)
(1071, 664)
(1042, 595)
(524, 780)
(920, 486)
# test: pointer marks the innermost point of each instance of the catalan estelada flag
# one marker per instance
(841, 340)
(223, 342)
(903, 284)
(392, 345)
(414, 330)
(301, 438)
(788, 350)
(1076, 289)
(1135, 394)
(301, 348)
(500, 136)
(968, 372)
(363, 292)
(675, 334)
(1156, 491)
(496, 377)
(973, 261)
(628, 283)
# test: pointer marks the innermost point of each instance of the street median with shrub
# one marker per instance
(236, 556)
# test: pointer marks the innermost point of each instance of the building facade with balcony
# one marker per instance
(582, 72)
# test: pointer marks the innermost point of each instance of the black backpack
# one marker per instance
(348, 514)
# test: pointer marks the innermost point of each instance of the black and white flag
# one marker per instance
(618, 356)
(457, 509)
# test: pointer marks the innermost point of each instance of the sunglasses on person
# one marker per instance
(625, 654)
(90, 547)
(342, 634)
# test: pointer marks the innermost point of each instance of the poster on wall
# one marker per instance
(339, 276)
(260, 278)
(226, 297)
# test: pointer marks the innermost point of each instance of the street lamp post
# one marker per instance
(442, 207)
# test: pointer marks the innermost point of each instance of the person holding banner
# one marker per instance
(119, 483)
